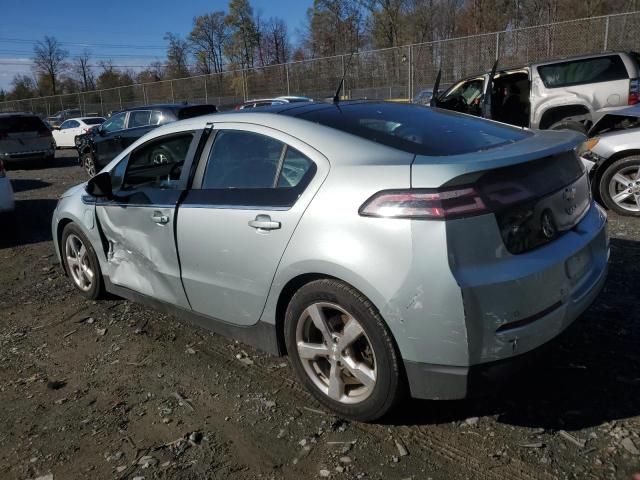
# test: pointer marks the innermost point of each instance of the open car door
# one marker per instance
(487, 95)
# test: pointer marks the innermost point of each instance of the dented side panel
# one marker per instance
(141, 253)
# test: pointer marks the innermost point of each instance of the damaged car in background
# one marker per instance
(568, 93)
(612, 154)
(384, 247)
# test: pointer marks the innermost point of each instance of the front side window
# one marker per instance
(139, 118)
(578, 72)
(464, 97)
(158, 163)
(65, 125)
(115, 123)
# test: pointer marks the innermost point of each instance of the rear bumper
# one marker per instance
(445, 382)
(15, 157)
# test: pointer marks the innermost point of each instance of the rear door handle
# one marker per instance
(160, 218)
(264, 222)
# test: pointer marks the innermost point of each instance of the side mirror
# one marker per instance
(100, 186)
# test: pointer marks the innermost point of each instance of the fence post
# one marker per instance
(144, 95)
(101, 106)
(497, 46)
(606, 34)
(206, 96)
(344, 75)
(410, 86)
(286, 69)
(173, 98)
(120, 97)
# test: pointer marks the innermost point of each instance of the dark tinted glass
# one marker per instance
(242, 160)
(589, 70)
(21, 123)
(196, 111)
(93, 121)
(115, 123)
(139, 118)
(416, 129)
(158, 164)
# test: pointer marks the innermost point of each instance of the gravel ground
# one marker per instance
(111, 389)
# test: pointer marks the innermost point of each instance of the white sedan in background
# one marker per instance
(6, 192)
(65, 135)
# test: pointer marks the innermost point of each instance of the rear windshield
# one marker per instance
(93, 121)
(588, 70)
(196, 111)
(21, 123)
(416, 129)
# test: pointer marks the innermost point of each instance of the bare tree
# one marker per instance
(208, 38)
(83, 70)
(49, 59)
(177, 56)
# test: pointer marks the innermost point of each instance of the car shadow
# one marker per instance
(58, 162)
(23, 185)
(29, 223)
(591, 375)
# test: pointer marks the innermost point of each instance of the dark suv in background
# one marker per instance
(25, 139)
(100, 145)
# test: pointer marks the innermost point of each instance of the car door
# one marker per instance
(107, 143)
(138, 223)
(138, 124)
(250, 190)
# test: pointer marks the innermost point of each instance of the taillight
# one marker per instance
(3, 172)
(634, 91)
(425, 204)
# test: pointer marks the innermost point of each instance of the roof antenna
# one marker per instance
(336, 97)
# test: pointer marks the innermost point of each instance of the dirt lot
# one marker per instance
(111, 389)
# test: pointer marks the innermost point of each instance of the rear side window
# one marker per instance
(578, 72)
(21, 124)
(139, 118)
(246, 169)
(416, 129)
(243, 160)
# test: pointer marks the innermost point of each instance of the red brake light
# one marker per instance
(425, 204)
(634, 91)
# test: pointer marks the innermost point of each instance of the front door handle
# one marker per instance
(264, 222)
(160, 218)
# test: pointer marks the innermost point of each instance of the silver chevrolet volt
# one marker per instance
(384, 247)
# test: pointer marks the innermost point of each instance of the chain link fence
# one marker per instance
(393, 73)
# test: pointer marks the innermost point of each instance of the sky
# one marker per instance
(129, 31)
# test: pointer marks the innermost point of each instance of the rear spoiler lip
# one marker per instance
(433, 172)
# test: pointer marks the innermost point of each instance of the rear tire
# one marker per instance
(81, 262)
(350, 364)
(619, 186)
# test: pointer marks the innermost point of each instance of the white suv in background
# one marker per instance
(571, 93)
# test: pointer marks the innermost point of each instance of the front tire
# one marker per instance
(342, 351)
(81, 262)
(619, 186)
(88, 164)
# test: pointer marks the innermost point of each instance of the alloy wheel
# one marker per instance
(89, 166)
(78, 262)
(336, 353)
(624, 188)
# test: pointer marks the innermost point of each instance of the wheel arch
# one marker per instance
(59, 229)
(556, 113)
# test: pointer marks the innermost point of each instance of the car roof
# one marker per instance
(165, 106)
(10, 114)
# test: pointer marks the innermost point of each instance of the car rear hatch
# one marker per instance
(537, 187)
(23, 134)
